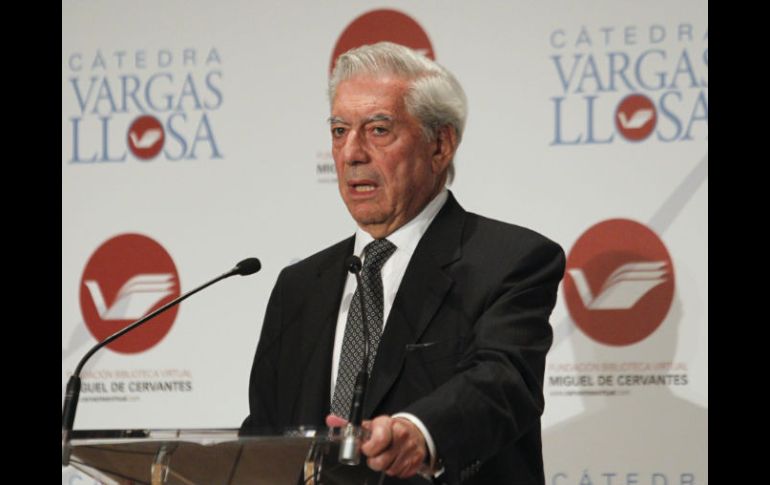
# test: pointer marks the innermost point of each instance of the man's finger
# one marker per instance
(380, 437)
(409, 442)
(383, 461)
(334, 421)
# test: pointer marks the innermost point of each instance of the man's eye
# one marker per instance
(379, 130)
(338, 131)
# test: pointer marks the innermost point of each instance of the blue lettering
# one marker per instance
(188, 89)
(130, 92)
(663, 110)
(214, 89)
(169, 99)
(208, 136)
(685, 32)
(75, 139)
(175, 134)
(557, 140)
(213, 57)
(590, 72)
(120, 55)
(631, 478)
(700, 112)
(583, 38)
(98, 61)
(104, 94)
(630, 35)
(565, 82)
(164, 58)
(607, 31)
(585, 479)
(661, 75)
(619, 71)
(188, 56)
(76, 86)
(71, 62)
(105, 145)
(704, 81)
(554, 42)
(684, 66)
(590, 123)
(140, 58)
(687, 479)
(657, 34)
(609, 477)
(655, 477)
(558, 475)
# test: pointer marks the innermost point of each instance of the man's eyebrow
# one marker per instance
(378, 117)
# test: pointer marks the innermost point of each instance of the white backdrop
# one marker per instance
(239, 88)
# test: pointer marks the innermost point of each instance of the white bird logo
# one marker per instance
(640, 118)
(135, 299)
(624, 287)
(148, 139)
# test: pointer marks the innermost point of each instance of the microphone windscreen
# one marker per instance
(353, 264)
(248, 266)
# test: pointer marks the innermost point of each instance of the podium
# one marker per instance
(215, 457)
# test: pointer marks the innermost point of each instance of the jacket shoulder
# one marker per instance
(318, 262)
(507, 237)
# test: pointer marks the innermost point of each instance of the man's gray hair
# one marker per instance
(435, 97)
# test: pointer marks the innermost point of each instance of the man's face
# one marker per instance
(387, 170)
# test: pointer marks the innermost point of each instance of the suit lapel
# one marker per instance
(316, 336)
(421, 293)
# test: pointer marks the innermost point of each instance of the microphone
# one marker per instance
(350, 451)
(246, 267)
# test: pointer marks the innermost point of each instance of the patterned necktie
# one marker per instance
(352, 356)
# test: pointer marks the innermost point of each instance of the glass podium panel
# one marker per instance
(215, 457)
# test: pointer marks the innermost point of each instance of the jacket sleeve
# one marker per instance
(263, 414)
(496, 393)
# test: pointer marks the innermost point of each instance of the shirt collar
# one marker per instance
(407, 236)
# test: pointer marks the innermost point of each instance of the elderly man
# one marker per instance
(457, 304)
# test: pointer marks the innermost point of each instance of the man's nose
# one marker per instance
(354, 151)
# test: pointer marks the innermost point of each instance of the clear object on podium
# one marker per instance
(215, 457)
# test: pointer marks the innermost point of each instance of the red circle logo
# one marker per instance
(383, 25)
(619, 282)
(126, 278)
(635, 117)
(146, 137)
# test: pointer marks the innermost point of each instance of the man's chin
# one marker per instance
(368, 219)
(371, 221)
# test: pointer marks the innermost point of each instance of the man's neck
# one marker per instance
(422, 219)
(381, 231)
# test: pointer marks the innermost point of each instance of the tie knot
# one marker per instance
(377, 252)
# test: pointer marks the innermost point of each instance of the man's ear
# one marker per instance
(446, 145)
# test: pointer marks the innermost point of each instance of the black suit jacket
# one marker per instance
(463, 348)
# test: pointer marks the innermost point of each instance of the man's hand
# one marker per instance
(395, 446)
